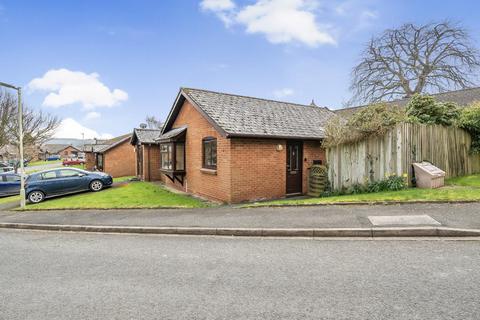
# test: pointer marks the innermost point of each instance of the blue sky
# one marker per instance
(104, 65)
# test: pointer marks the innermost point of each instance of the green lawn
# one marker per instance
(129, 195)
(9, 199)
(465, 181)
(42, 162)
(457, 189)
(123, 179)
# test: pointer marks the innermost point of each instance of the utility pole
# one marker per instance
(20, 134)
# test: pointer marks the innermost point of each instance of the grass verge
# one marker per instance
(9, 199)
(42, 162)
(465, 188)
(128, 196)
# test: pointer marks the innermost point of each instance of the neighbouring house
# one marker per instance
(115, 156)
(462, 98)
(235, 148)
(147, 153)
(64, 151)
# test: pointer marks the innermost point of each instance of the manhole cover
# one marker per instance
(403, 220)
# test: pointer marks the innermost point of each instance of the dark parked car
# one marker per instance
(53, 157)
(9, 184)
(55, 182)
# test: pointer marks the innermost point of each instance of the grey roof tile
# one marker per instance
(172, 133)
(146, 135)
(247, 116)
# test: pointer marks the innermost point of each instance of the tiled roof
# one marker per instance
(106, 144)
(146, 135)
(462, 97)
(241, 116)
(95, 147)
(172, 133)
(55, 148)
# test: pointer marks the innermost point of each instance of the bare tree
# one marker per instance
(38, 127)
(7, 116)
(415, 59)
(153, 122)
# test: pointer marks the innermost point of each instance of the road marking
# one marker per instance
(403, 220)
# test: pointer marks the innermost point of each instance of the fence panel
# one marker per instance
(376, 157)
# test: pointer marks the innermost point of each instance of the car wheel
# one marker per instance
(36, 196)
(96, 185)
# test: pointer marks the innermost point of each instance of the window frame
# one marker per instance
(172, 146)
(43, 175)
(212, 141)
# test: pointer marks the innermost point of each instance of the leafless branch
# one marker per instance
(426, 59)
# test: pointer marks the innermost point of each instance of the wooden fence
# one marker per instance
(374, 158)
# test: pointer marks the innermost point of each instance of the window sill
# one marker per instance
(177, 172)
(209, 171)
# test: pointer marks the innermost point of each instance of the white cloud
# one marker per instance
(285, 21)
(71, 129)
(357, 14)
(224, 9)
(217, 5)
(307, 22)
(280, 21)
(282, 93)
(92, 115)
(68, 87)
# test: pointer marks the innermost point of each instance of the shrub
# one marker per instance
(470, 121)
(424, 109)
(375, 119)
(390, 183)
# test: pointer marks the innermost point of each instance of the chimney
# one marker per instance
(143, 126)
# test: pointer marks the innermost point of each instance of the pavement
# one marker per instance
(51, 275)
(354, 220)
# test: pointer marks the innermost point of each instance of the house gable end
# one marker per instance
(178, 105)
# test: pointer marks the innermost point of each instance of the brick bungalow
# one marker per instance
(234, 148)
(147, 153)
(65, 151)
(115, 156)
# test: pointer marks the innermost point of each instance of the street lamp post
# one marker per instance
(20, 134)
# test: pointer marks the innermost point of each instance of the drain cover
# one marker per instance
(403, 220)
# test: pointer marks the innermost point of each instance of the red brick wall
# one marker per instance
(151, 163)
(120, 160)
(89, 160)
(68, 152)
(247, 169)
(258, 169)
(311, 151)
(216, 186)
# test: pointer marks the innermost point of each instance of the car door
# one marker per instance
(50, 184)
(72, 180)
(12, 184)
(3, 186)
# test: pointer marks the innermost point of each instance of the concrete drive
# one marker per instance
(302, 219)
(45, 275)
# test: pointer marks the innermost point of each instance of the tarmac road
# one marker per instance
(53, 275)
